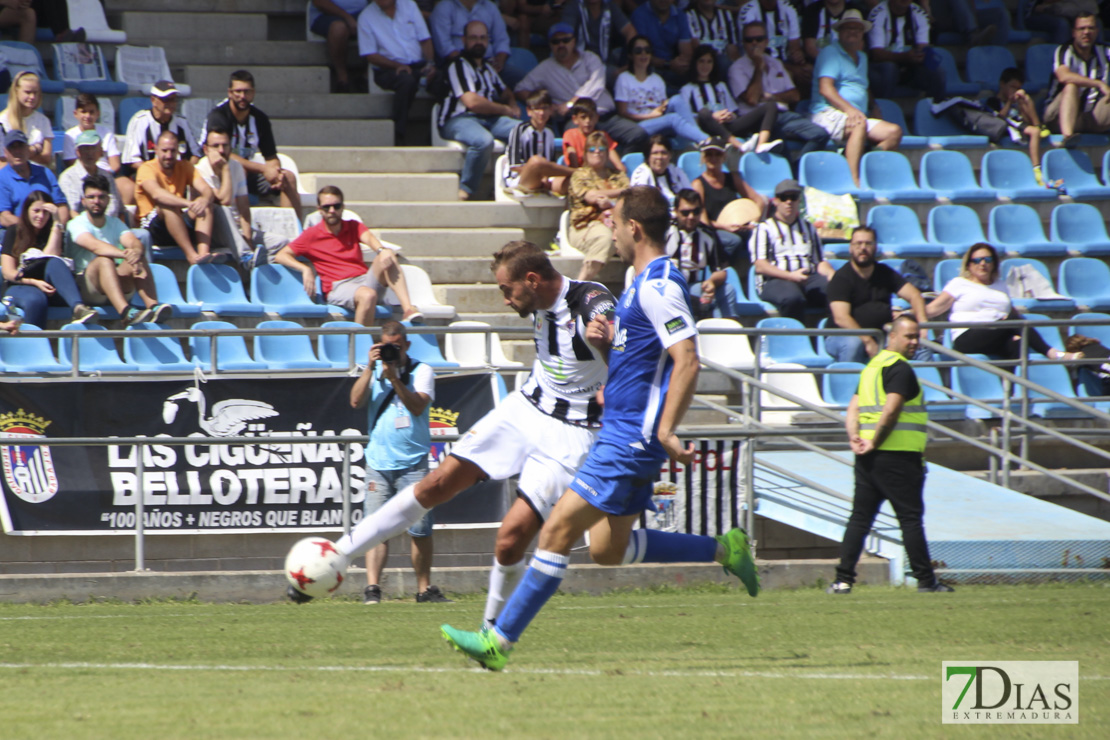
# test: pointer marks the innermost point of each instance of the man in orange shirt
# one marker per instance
(165, 209)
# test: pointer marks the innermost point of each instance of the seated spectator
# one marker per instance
(717, 189)
(860, 298)
(785, 35)
(714, 26)
(657, 171)
(20, 177)
(1078, 98)
(87, 111)
(450, 23)
(791, 271)
(337, 22)
(695, 249)
(584, 117)
(715, 109)
(110, 261)
(668, 35)
(531, 152)
(641, 96)
(146, 126)
(818, 20)
(530, 17)
(165, 208)
(34, 275)
(600, 27)
(333, 248)
(478, 108)
(899, 48)
(758, 78)
(22, 114)
(1014, 106)
(841, 95)
(19, 14)
(976, 26)
(393, 38)
(979, 295)
(1056, 18)
(593, 188)
(1095, 376)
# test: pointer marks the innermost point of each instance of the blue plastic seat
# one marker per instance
(169, 292)
(1074, 167)
(218, 288)
(28, 352)
(985, 65)
(950, 175)
(953, 83)
(1087, 280)
(94, 353)
(743, 306)
(941, 130)
(1010, 174)
(892, 112)
(889, 175)
(424, 347)
(934, 397)
(231, 349)
(1080, 227)
(1025, 304)
(1016, 229)
(287, 352)
(632, 160)
(954, 228)
(690, 163)
(277, 289)
(152, 353)
(21, 57)
(980, 385)
(945, 271)
(1051, 334)
(898, 232)
(335, 348)
(764, 171)
(828, 171)
(838, 388)
(128, 107)
(521, 60)
(1101, 332)
(753, 294)
(1055, 378)
(792, 348)
(1038, 67)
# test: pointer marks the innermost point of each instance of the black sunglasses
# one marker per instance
(754, 39)
(687, 212)
(562, 40)
(332, 207)
(788, 197)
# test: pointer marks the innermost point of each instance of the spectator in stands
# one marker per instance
(667, 32)
(337, 21)
(146, 126)
(531, 152)
(818, 20)
(708, 97)
(478, 108)
(1095, 376)
(1079, 95)
(1014, 106)
(1056, 18)
(20, 177)
(333, 248)
(531, 17)
(899, 48)
(87, 111)
(784, 35)
(600, 27)
(840, 94)
(979, 295)
(758, 78)
(641, 96)
(593, 188)
(860, 298)
(54, 14)
(232, 205)
(163, 188)
(22, 114)
(717, 189)
(32, 279)
(393, 37)
(790, 267)
(695, 249)
(712, 25)
(450, 24)
(19, 14)
(251, 135)
(977, 26)
(109, 260)
(584, 117)
(657, 171)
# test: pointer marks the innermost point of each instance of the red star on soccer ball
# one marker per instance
(301, 579)
(338, 583)
(325, 547)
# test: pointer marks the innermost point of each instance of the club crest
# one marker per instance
(28, 469)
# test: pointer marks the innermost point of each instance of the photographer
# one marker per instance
(400, 392)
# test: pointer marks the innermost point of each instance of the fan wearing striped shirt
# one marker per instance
(713, 25)
(708, 97)
(531, 152)
(1079, 96)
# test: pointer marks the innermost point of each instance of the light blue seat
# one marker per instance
(21, 57)
(28, 352)
(934, 397)
(690, 163)
(898, 232)
(949, 174)
(169, 292)
(632, 160)
(753, 294)
(793, 348)
(218, 288)
(277, 289)
(945, 271)
(980, 385)
(1015, 228)
(287, 352)
(1087, 280)
(838, 388)
(985, 65)
(1009, 173)
(424, 347)
(889, 175)
(954, 228)
(335, 348)
(94, 353)
(128, 107)
(828, 171)
(743, 306)
(892, 112)
(1074, 167)
(521, 60)
(231, 349)
(1051, 334)
(1025, 304)
(941, 130)
(1080, 228)
(764, 171)
(1056, 379)
(953, 83)
(1101, 332)
(1038, 67)
(152, 353)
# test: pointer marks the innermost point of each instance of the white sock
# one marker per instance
(502, 582)
(396, 515)
(637, 546)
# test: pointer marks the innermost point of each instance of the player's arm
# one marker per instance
(597, 314)
(684, 381)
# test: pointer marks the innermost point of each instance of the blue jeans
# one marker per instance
(386, 485)
(850, 349)
(477, 133)
(791, 125)
(724, 301)
(33, 302)
(679, 120)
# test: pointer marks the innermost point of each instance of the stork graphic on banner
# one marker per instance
(228, 417)
(28, 469)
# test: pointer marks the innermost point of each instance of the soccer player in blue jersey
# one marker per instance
(653, 371)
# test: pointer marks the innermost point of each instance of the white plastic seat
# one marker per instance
(276, 220)
(142, 66)
(89, 15)
(733, 351)
(469, 350)
(438, 140)
(195, 111)
(289, 165)
(801, 385)
(565, 249)
(421, 294)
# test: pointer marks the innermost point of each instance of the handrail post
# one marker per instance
(75, 358)
(140, 494)
(347, 485)
(350, 349)
(757, 402)
(749, 491)
(1027, 433)
(994, 458)
(1007, 440)
(213, 353)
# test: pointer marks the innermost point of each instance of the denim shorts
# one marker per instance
(322, 23)
(382, 485)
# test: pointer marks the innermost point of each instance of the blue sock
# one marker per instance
(655, 546)
(539, 584)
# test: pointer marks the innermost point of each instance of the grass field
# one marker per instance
(708, 662)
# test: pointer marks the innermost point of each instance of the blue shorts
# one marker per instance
(386, 484)
(617, 479)
(323, 22)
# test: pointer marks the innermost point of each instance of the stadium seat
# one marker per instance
(28, 352)
(985, 65)
(195, 111)
(764, 171)
(276, 220)
(218, 288)
(1074, 167)
(949, 174)
(1080, 228)
(731, 350)
(953, 83)
(381, 313)
(231, 349)
(753, 294)
(472, 350)
(954, 228)
(336, 348)
(438, 140)
(20, 57)
(169, 292)
(89, 15)
(424, 347)
(631, 161)
(82, 67)
(1025, 304)
(1009, 173)
(1016, 229)
(838, 388)
(941, 130)
(944, 272)
(64, 108)
(421, 294)
(892, 112)
(890, 176)
(1056, 379)
(94, 353)
(828, 171)
(794, 349)
(278, 289)
(980, 385)
(1101, 332)
(1051, 334)
(934, 396)
(153, 353)
(690, 163)
(1087, 280)
(139, 67)
(1038, 67)
(898, 232)
(801, 385)
(286, 351)
(743, 306)
(128, 107)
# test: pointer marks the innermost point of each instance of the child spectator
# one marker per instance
(584, 116)
(1013, 105)
(87, 112)
(531, 151)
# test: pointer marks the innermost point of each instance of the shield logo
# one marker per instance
(28, 469)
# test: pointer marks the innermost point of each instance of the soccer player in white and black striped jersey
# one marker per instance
(531, 151)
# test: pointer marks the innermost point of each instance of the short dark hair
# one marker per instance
(98, 181)
(646, 206)
(329, 190)
(750, 24)
(240, 75)
(1075, 20)
(216, 130)
(538, 97)
(903, 318)
(584, 106)
(393, 328)
(1009, 75)
(521, 257)
(688, 195)
(86, 101)
(662, 140)
(874, 234)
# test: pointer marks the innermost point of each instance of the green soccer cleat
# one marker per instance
(738, 559)
(482, 647)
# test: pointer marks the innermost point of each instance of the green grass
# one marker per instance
(707, 662)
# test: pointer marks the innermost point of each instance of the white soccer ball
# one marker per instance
(315, 567)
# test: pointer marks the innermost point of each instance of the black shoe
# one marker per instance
(839, 587)
(160, 312)
(1071, 141)
(372, 595)
(936, 588)
(433, 596)
(297, 597)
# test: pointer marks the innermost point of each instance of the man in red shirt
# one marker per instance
(334, 249)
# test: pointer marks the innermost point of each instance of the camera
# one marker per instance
(390, 352)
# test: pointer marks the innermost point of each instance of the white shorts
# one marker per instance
(518, 439)
(833, 121)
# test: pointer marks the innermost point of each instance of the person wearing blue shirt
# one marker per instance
(20, 177)
(672, 45)
(448, 26)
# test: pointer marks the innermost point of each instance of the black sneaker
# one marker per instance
(839, 587)
(135, 315)
(297, 597)
(372, 595)
(433, 596)
(160, 312)
(936, 588)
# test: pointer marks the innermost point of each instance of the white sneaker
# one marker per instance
(764, 148)
(750, 144)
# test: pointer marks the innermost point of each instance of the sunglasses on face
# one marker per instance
(595, 149)
(332, 207)
(788, 197)
(754, 39)
(687, 212)
(562, 40)
(982, 260)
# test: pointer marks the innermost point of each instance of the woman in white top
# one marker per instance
(657, 171)
(716, 110)
(980, 295)
(22, 113)
(641, 96)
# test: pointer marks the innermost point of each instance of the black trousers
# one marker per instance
(404, 87)
(898, 477)
(999, 342)
(791, 299)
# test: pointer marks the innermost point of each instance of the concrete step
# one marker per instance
(450, 242)
(273, 7)
(206, 79)
(163, 28)
(375, 159)
(476, 269)
(474, 297)
(279, 104)
(291, 132)
(476, 215)
(250, 54)
(394, 187)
